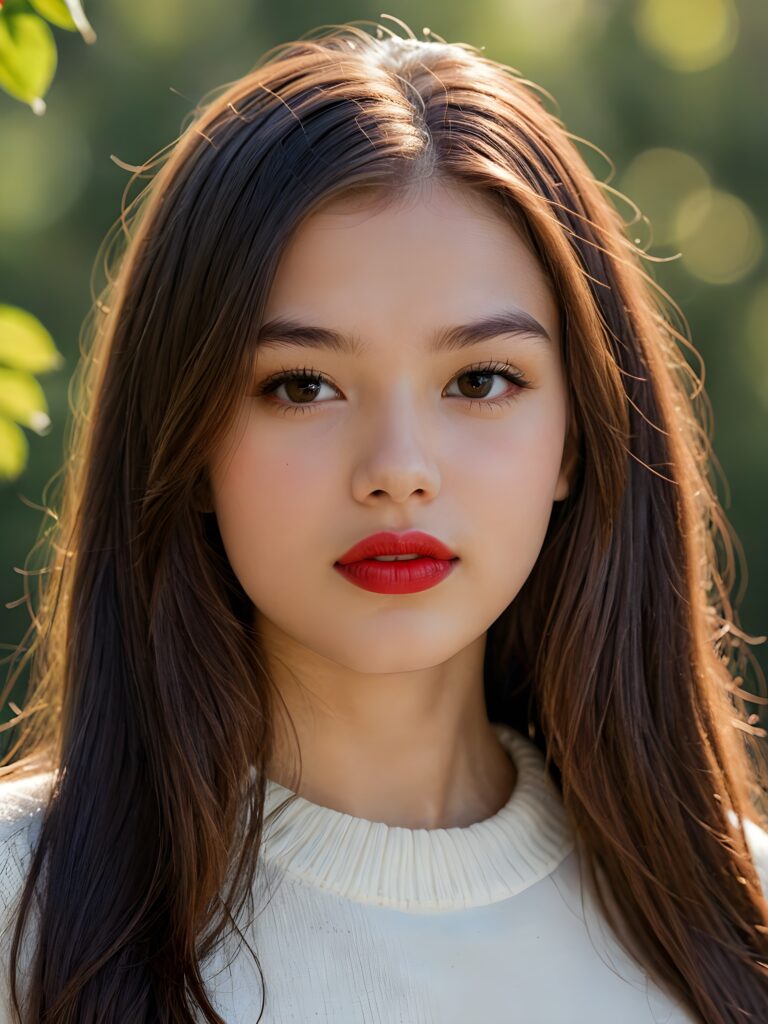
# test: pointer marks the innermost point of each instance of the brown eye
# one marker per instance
(479, 383)
(303, 386)
(300, 389)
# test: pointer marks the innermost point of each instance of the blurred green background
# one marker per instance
(673, 91)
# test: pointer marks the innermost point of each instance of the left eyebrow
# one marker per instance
(283, 331)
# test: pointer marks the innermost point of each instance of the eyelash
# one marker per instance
(309, 375)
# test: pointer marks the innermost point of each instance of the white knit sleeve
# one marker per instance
(21, 805)
(757, 840)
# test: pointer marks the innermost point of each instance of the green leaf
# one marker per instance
(17, 7)
(22, 399)
(66, 14)
(27, 57)
(55, 11)
(14, 449)
(25, 344)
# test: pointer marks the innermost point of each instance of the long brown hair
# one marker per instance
(149, 696)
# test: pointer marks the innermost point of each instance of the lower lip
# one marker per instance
(397, 577)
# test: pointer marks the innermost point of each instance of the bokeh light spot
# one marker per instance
(688, 35)
(658, 180)
(718, 235)
(551, 30)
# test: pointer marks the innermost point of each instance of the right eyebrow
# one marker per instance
(284, 332)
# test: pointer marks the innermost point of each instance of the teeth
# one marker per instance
(394, 558)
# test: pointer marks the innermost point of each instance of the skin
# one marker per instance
(386, 691)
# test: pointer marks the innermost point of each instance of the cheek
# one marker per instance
(264, 494)
(505, 488)
(513, 465)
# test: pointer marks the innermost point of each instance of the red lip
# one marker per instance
(411, 542)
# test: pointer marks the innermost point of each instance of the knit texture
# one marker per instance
(359, 922)
(423, 869)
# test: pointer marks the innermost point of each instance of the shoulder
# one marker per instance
(22, 802)
(757, 840)
(23, 799)
(22, 793)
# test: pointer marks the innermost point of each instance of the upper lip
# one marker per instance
(412, 542)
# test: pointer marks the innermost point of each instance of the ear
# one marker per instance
(568, 467)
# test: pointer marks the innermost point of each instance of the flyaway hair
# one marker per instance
(149, 693)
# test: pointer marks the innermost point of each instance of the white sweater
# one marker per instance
(358, 922)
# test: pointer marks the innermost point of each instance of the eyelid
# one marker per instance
(495, 368)
(488, 366)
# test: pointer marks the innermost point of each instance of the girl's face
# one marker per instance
(398, 435)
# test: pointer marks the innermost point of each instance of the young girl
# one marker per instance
(373, 304)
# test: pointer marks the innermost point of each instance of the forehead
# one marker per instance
(439, 253)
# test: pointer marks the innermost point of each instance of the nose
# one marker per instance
(397, 457)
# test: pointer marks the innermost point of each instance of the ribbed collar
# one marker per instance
(426, 869)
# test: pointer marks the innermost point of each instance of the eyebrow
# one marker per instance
(283, 331)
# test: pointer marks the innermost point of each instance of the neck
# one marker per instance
(414, 749)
